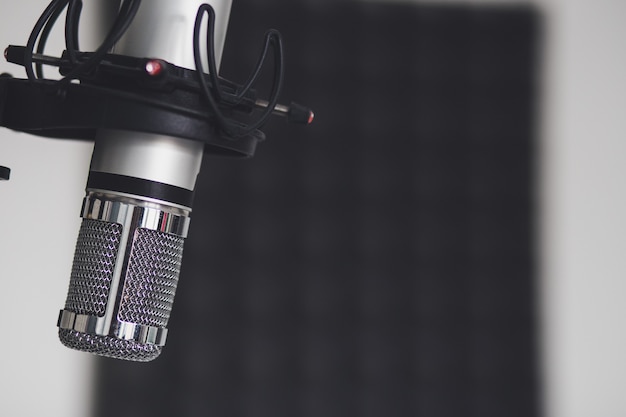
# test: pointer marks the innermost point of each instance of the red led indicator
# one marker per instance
(154, 68)
(311, 117)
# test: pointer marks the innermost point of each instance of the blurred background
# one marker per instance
(445, 240)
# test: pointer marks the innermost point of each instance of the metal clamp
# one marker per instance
(107, 208)
(81, 323)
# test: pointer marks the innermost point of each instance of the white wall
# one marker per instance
(584, 207)
(39, 221)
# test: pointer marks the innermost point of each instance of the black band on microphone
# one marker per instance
(140, 187)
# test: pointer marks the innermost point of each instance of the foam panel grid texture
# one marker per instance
(380, 262)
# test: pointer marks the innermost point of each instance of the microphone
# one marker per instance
(153, 111)
(136, 212)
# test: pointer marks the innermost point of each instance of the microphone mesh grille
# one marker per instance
(92, 271)
(109, 346)
(147, 297)
(151, 278)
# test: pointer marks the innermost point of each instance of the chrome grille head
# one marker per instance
(92, 271)
(151, 278)
(124, 278)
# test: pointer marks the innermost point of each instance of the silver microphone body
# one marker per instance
(136, 212)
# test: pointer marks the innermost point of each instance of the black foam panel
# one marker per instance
(380, 262)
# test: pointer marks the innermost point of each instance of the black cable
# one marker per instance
(215, 93)
(37, 29)
(272, 38)
(43, 38)
(222, 121)
(122, 22)
(256, 72)
(46, 21)
(217, 87)
(71, 29)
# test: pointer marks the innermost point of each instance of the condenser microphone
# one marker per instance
(151, 99)
(136, 213)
